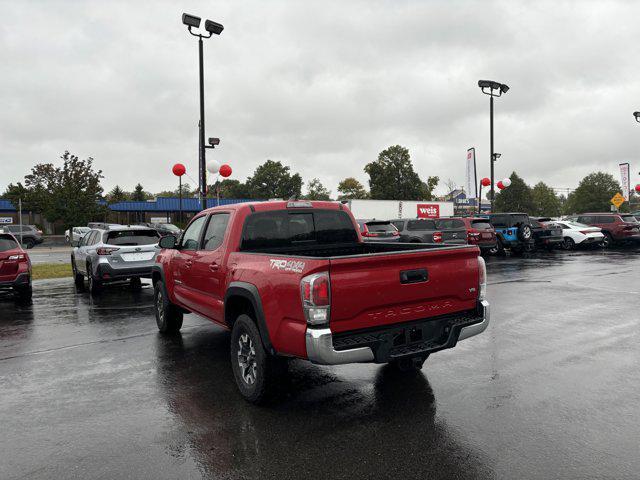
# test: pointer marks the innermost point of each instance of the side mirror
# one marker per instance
(75, 243)
(168, 242)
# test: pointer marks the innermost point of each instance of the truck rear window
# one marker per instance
(480, 224)
(7, 243)
(446, 223)
(283, 228)
(132, 237)
(381, 227)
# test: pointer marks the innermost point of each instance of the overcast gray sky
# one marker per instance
(322, 86)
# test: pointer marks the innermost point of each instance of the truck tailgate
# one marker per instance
(387, 288)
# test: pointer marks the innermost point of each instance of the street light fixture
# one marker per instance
(213, 28)
(496, 156)
(493, 89)
(637, 116)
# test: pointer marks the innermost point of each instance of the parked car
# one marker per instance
(577, 234)
(513, 231)
(378, 231)
(546, 233)
(164, 228)
(31, 235)
(636, 215)
(616, 227)
(115, 253)
(75, 234)
(15, 267)
(295, 279)
(481, 233)
(427, 230)
(101, 225)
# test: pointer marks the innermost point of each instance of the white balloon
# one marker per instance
(213, 166)
(506, 182)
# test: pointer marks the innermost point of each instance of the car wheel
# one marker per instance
(607, 241)
(409, 364)
(95, 285)
(524, 232)
(569, 244)
(78, 278)
(498, 249)
(168, 316)
(29, 243)
(24, 292)
(258, 374)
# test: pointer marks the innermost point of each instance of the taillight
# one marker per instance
(437, 237)
(106, 250)
(395, 233)
(370, 234)
(20, 257)
(482, 279)
(584, 232)
(315, 291)
(509, 232)
(473, 235)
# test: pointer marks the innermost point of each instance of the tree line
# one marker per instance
(593, 194)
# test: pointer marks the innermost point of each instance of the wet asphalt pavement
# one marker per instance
(88, 389)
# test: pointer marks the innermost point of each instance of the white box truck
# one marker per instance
(392, 209)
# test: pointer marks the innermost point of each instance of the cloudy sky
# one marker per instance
(322, 86)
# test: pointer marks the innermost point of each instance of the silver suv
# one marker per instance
(112, 253)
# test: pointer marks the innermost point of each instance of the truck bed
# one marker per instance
(351, 249)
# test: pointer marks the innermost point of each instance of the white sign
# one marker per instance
(471, 173)
(160, 220)
(6, 220)
(624, 180)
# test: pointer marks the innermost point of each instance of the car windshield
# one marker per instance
(629, 218)
(168, 226)
(7, 243)
(381, 227)
(132, 237)
(481, 225)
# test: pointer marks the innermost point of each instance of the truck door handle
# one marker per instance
(213, 266)
(414, 276)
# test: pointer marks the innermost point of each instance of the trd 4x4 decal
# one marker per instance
(295, 266)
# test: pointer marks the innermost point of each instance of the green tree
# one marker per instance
(545, 201)
(69, 194)
(16, 192)
(391, 177)
(317, 191)
(593, 194)
(515, 198)
(350, 188)
(274, 180)
(232, 188)
(187, 191)
(117, 195)
(139, 194)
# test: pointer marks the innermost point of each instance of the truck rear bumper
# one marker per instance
(382, 345)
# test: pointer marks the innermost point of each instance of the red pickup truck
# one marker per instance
(295, 279)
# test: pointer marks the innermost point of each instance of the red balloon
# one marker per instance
(485, 182)
(500, 185)
(225, 170)
(179, 170)
(638, 188)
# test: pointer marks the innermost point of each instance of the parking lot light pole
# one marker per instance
(493, 89)
(212, 28)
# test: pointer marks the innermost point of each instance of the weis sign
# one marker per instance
(427, 210)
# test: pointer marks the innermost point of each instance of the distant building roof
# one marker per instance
(172, 204)
(6, 206)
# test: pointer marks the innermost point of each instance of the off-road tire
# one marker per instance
(78, 278)
(168, 316)
(95, 285)
(261, 378)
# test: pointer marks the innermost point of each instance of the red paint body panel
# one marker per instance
(365, 289)
(11, 269)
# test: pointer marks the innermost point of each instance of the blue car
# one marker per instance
(513, 232)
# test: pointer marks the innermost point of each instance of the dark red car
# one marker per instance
(481, 233)
(616, 227)
(15, 267)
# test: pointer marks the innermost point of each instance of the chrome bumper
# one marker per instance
(319, 342)
(477, 328)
